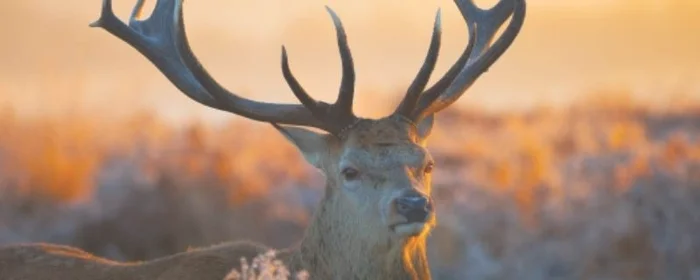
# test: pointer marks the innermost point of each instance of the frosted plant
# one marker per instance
(264, 267)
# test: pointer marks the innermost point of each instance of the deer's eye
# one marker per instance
(350, 173)
(429, 168)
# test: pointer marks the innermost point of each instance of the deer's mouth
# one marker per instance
(408, 229)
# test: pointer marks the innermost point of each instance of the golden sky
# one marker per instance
(52, 63)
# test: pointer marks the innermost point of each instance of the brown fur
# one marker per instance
(348, 238)
(55, 262)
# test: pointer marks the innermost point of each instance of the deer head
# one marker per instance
(378, 196)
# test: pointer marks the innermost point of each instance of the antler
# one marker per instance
(477, 57)
(162, 39)
(421, 80)
(341, 110)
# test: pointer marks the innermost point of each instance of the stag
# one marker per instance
(377, 210)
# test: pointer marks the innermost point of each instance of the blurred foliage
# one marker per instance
(605, 189)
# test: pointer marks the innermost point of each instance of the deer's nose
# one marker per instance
(415, 207)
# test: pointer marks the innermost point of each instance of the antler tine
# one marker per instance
(338, 115)
(137, 11)
(431, 94)
(483, 26)
(314, 106)
(162, 40)
(487, 21)
(408, 104)
(346, 93)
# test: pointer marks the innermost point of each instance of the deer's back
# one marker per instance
(49, 262)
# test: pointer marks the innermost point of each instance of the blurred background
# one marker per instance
(577, 156)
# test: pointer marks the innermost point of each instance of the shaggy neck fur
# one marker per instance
(331, 251)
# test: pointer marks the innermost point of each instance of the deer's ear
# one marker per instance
(312, 145)
(424, 127)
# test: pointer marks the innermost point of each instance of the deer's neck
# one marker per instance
(329, 252)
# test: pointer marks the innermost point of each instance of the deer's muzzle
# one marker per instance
(415, 207)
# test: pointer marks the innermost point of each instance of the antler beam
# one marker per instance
(162, 40)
